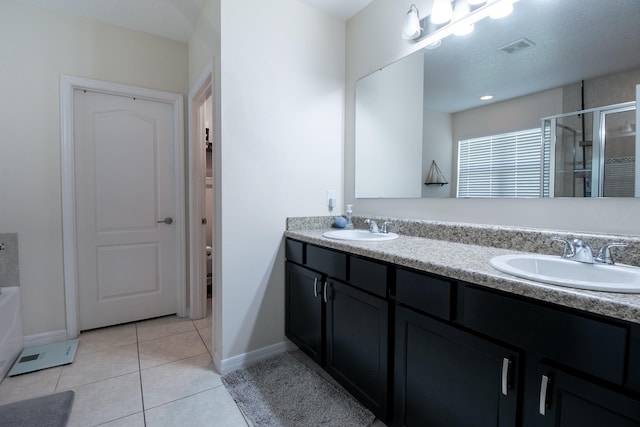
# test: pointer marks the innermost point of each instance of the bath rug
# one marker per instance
(281, 391)
(52, 410)
(44, 356)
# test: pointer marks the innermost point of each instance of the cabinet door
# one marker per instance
(357, 324)
(450, 378)
(569, 401)
(303, 310)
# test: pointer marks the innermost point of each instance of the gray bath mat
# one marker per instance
(281, 391)
(46, 411)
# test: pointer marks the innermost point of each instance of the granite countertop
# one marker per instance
(470, 263)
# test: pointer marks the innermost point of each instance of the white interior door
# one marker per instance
(125, 187)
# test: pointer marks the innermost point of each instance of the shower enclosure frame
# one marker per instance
(598, 144)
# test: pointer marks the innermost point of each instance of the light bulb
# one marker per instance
(411, 27)
(442, 12)
(461, 11)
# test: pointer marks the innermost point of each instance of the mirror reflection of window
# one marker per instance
(504, 165)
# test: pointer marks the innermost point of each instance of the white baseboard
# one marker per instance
(242, 360)
(45, 338)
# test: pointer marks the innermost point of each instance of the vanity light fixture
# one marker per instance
(486, 97)
(411, 28)
(460, 25)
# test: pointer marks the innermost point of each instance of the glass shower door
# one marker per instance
(572, 154)
(592, 153)
(618, 135)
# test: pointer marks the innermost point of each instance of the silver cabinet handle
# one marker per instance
(506, 365)
(168, 220)
(544, 384)
(315, 287)
(325, 292)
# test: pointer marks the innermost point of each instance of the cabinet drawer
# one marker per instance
(583, 343)
(331, 263)
(294, 251)
(426, 293)
(368, 275)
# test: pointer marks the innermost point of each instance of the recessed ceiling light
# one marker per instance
(486, 97)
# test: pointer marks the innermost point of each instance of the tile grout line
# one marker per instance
(144, 414)
(169, 335)
(55, 388)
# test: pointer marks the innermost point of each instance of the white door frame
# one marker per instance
(67, 85)
(197, 188)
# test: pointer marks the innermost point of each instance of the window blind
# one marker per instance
(505, 165)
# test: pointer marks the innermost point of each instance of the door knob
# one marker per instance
(168, 220)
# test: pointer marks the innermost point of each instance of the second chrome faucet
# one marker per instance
(579, 250)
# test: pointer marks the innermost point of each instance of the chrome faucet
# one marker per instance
(582, 251)
(373, 227)
(579, 250)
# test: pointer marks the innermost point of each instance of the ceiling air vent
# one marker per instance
(516, 46)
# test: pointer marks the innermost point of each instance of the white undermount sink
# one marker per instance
(563, 272)
(359, 235)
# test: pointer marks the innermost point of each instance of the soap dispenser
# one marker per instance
(349, 225)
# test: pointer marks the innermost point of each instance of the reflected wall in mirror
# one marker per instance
(581, 55)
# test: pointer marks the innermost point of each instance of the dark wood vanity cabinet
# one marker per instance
(567, 400)
(337, 312)
(304, 311)
(444, 375)
(424, 350)
(447, 377)
(470, 356)
(356, 344)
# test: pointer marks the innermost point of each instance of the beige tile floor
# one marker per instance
(152, 373)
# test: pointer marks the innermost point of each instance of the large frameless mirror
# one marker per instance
(547, 59)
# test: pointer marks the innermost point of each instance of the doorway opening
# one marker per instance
(201, 200)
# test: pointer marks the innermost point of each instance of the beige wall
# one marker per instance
(379, 25)
(279, 85)
(36, 46)
(282, 136)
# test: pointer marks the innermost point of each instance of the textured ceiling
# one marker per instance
(574, 40)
